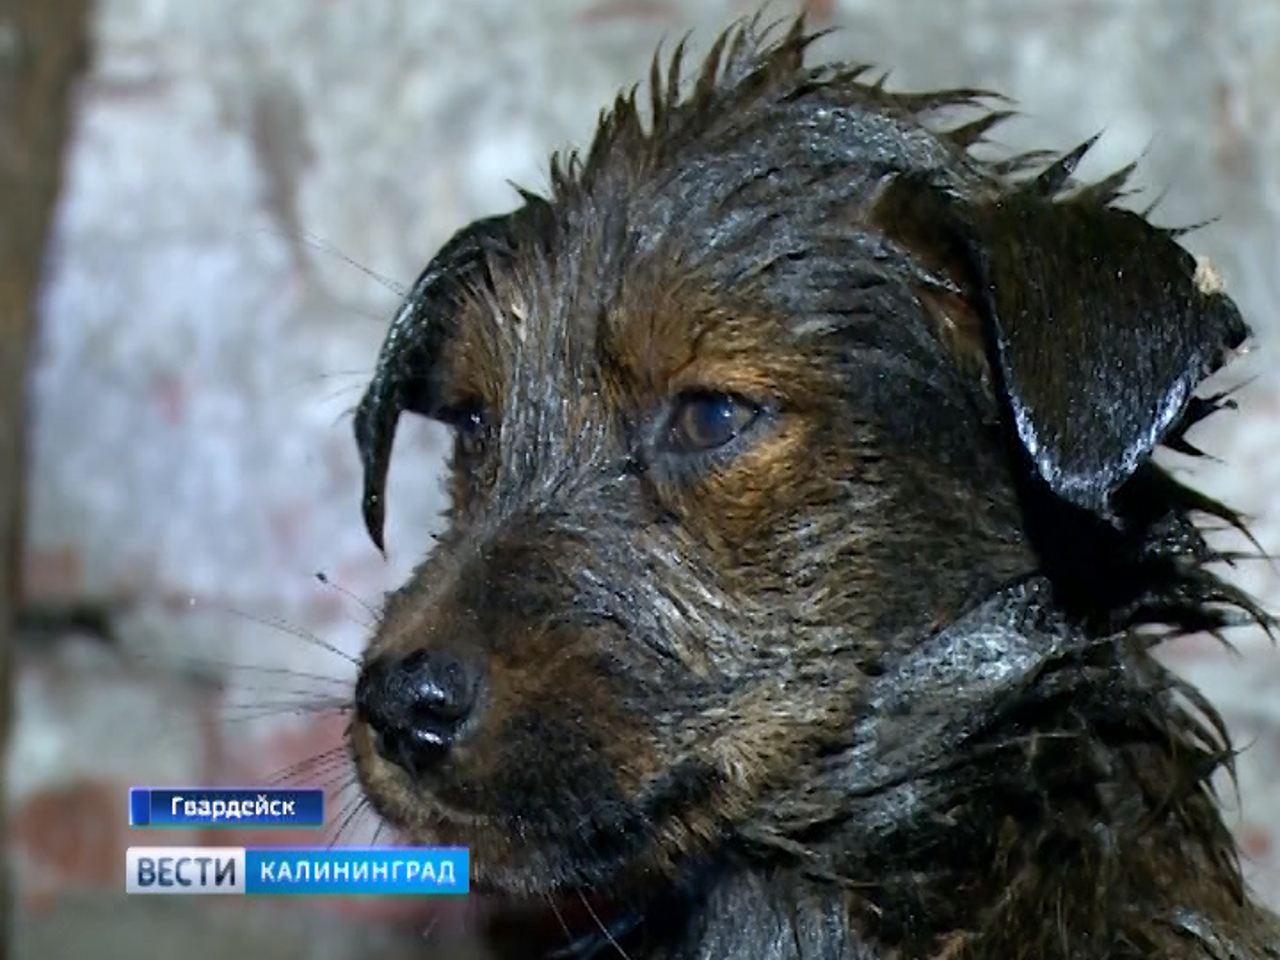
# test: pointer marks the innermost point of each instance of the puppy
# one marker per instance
(806, 552)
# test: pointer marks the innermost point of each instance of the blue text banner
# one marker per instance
(231, 807)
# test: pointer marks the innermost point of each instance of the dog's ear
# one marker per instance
(404, 378)
(1093, 325)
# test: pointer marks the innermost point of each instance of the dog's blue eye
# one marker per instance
(705, 421)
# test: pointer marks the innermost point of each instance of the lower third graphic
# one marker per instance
(314, 871)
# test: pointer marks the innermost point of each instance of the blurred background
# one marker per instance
(244, 187)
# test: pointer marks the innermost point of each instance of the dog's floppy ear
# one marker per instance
(403, 378)
(1095, 326)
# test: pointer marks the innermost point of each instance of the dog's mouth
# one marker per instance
(524, 905)
(417, 801)
(531, 836)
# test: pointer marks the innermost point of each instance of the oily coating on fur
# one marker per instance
(873, 677)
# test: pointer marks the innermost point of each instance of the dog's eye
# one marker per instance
(468, 422)
(705, 421)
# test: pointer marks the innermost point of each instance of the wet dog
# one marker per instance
(806, 551)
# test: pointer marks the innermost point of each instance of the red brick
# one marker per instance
(1256, 842)
(74, 833)
(53, 573)
(74, 838)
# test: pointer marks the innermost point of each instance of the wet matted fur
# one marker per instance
(806, 552)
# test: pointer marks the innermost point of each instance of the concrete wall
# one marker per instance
(241, 175)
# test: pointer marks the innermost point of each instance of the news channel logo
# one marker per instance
(306, 871)
(313, 871)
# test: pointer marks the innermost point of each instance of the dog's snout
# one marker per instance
(418, 705)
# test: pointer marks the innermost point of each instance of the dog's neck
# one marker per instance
(1010, 766)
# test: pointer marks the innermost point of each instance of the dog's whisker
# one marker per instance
(250, 668)
(237, 695)
(297, 632)
(608, 934)
(349, 810)
(430, 929)
(338, 588)
(212, 666)
(559, 917)
(321, 763)
(305, 701)
(324, 246)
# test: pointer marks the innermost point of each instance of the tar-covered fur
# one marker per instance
(806, 552)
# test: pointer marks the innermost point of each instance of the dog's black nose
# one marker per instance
(418, 705)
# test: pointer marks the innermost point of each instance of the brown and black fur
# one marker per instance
(873, 677)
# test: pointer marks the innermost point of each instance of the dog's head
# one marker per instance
(771, 390)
